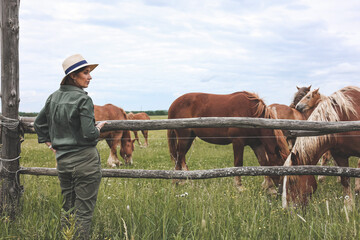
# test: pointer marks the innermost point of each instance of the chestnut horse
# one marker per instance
(145, 133)
(115, 138)
(269, 145)
(289, 112)
(307, 104)
(343, 105)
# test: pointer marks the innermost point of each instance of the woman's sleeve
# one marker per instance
(42, 127)
(87, 119)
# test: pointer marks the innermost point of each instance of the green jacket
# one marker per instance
(67, 121)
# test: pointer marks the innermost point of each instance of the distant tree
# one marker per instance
(152, 113)
(28, 114)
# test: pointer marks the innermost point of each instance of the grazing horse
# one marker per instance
(269, 145)
(343, 105)
(289, 112)
(145, 133)
(114, 138)
(296, 112)
(308, 103)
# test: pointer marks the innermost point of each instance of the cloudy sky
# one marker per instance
(151, 52)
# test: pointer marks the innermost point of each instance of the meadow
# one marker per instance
(158, 209)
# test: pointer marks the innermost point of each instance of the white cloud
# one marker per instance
(167, 48)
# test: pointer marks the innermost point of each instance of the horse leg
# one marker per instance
(325, 159)
(262, 157)
(182, 147)
(238, 148)
(113, 160)
(357, 180)
(137, 137)
(145, 134)
(343, 161)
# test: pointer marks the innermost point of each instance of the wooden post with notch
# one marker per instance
(10, 189)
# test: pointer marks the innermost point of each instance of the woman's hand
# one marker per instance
(100, 125)
(50, 146)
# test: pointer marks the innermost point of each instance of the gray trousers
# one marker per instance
(80, 176)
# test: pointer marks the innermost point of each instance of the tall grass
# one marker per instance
(159, 209)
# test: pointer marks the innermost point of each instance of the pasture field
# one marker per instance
(159, 209)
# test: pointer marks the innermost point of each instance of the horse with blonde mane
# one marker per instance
(308, 103)
(115, 138)
(145, 133)
(343, 105)
(268, 145)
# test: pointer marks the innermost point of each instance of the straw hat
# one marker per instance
(74, 63)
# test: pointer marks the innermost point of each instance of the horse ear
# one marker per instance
(308, 88)
(297, 88)
(294, 158)
(316, 91)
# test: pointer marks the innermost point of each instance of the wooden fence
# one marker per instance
(302, 128)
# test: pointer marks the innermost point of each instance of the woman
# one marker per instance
(67, 126)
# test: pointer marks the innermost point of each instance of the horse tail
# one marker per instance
(172, 140)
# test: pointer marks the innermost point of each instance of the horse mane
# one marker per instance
(122, 111)
(262, 110)
(328, 110)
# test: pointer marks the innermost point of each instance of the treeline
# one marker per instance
(150, 113)
(28, 114)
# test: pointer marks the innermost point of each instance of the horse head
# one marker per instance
(310, 101)
(127, 147)
(299, 95)
(297, 189)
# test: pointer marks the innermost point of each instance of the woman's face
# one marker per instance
(82, 79)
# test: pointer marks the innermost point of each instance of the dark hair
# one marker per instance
(69, 80)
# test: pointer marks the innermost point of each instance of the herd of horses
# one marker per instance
(272, 147)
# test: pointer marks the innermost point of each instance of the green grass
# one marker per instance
(159, 209)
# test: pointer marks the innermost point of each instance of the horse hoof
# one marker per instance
(179, 181)
(112, 165)
(240, 188)
(348, 206)
(272, 191)
(321, 178)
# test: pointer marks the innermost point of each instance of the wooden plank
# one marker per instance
(212, 173)
(313, 127)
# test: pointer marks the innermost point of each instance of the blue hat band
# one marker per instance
(69, 69)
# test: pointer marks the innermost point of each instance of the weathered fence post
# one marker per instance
(9, 163)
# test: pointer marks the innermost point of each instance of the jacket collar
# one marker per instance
(71, 88)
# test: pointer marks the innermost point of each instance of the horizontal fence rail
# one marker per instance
(302, 127)
(212, 173)
(307, 128)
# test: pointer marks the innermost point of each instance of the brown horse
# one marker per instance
(299, 95)
(115, 138)
(289, 112)
(343, 105)
(268, 144)
(308, 104)
(145, 133)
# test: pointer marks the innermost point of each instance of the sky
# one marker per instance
(151, 52)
